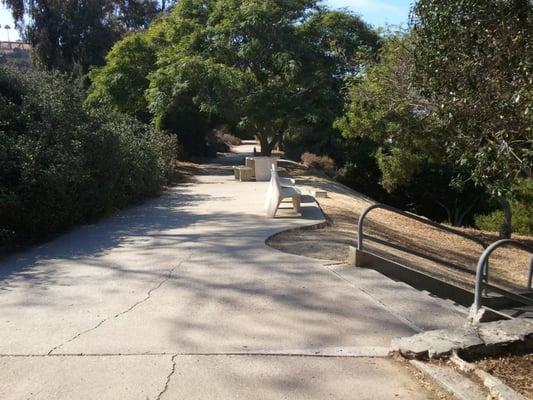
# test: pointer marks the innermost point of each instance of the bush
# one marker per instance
(228, 139)
(219, 140)
(214, 145)
(520, 207)
(61, 166)
(320, 163)
(361, 171)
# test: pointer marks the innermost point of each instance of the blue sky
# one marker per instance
(375, 12)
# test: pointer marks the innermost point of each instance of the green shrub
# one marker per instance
(361, 171)
(521, 208)
(61, 166)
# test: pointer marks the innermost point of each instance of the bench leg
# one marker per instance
(277, 208)
(296, 203)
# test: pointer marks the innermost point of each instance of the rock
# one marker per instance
(438, 343)
(445, 341)
(411, 347)
(317, 194)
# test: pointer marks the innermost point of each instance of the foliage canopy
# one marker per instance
(267, 67)
(457, 92)
(71, 35)
(60, 165)
(474, 62)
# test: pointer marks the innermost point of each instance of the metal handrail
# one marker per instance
(416, 218)
(481, 271)
(482, 268)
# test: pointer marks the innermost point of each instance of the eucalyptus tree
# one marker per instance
(72, 35)
(474, 64)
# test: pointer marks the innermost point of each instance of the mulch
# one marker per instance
(516, 371)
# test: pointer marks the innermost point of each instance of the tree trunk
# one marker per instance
(455, 213)
(463, 213)
(266, 145)
(266, 150)
(448, 212)
(506, 227)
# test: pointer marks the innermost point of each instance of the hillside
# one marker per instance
(343, 206)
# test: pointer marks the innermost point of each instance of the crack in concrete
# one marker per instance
(351, 352)
(169, 376)
(146, 298)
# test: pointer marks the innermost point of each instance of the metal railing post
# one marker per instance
(361, 222)
(482, 268)
(530, 275)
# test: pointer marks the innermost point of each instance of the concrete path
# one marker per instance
(181, 298)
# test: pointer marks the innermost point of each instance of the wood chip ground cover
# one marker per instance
(343, 206)
(516, 371)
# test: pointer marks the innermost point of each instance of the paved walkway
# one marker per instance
(180, 298)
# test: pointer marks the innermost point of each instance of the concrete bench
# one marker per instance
(242, 173)
(276, 193)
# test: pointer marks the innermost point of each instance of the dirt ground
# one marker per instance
(516, 371)
(342, 206)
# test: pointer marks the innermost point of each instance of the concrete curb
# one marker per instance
(451, 381)
(483, 386)
(497, 389)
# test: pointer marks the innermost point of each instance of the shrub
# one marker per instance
(228, 139)
(521, 209)
(321, 163)
(61, 166)
(219, 140)
(361, 170)
(214, 145)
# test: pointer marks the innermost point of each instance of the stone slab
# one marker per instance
(497, 388)
(437, 343)
(493, 333)
(485, 337)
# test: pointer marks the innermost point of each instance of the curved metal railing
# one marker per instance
(360, 234)
(482, 274)
(482, 268)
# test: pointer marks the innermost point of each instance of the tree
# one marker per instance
(344, 45)
(474, 63)
(71, 35)
(385, 107)
(259, 64)
(123, 80)
(267, 67)
(237, 60)
(7, 28)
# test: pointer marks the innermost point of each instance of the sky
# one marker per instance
(375, 12)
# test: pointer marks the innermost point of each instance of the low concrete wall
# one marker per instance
(417, 279)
